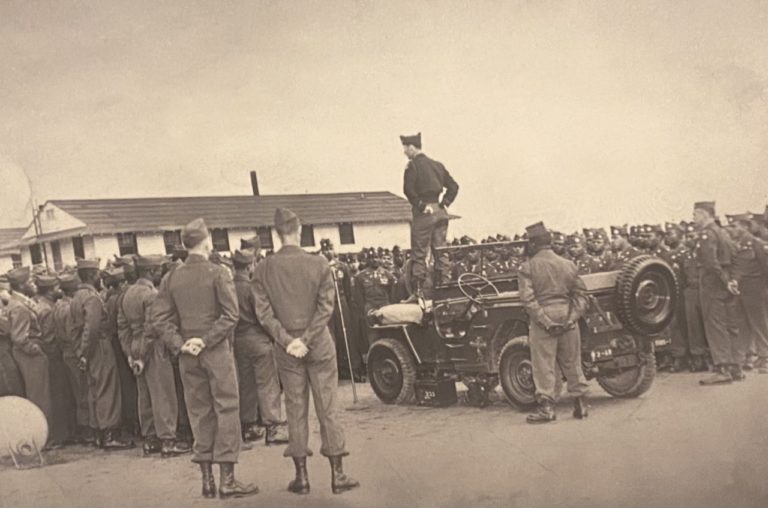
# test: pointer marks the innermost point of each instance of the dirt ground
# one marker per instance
(679, 445)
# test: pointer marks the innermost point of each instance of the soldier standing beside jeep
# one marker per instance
(555, 298)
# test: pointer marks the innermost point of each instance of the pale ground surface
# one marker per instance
(679, 445)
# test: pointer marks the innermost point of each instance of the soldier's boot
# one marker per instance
(85, 435)
(340, 482)
(277, 433)
(253, 432)
(749, 363)
(151, 445)
(545, 414)
(762, 366)
(300, 484)
(113, 441)
(720, 376)
(580, 408)
(229, 487)
(209, 484)
(98, 438)
(737, 373)
(173, 448)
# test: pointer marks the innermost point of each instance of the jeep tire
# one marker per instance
(632, 382)
(516, 373)
(391, 371)
(646, 295)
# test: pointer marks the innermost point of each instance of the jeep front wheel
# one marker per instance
(632, 382)
(391, 371)
(516, 373)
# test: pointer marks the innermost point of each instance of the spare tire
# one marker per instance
(646, 295)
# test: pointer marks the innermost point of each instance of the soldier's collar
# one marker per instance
(22, 298)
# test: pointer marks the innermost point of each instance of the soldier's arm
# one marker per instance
(528, 298)
(226, 295)
(123, 331)
(140, 347)
(264, 311)
(164, 317)
(579, 299)
(709, 257)
(92, 317)
(47, 324)
(409, 187)
(451, 187)
(20, 320)
(324, 309)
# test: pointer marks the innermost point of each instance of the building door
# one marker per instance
(56, 251)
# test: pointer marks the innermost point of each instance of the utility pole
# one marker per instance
(39, 231)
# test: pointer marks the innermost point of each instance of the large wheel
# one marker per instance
(516, 373)
(632, 382)
(646, 295)
(391, 371)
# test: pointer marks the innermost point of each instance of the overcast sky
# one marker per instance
(576, 113)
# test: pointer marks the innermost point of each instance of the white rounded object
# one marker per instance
(23, 427)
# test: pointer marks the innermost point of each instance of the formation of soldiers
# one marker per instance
(192, 353)
(100, 351)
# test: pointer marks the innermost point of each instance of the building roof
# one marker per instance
(9, 238)
(105, 216)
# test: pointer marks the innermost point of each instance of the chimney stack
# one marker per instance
(254, 183)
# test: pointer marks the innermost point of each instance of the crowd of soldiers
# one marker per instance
(79, 343)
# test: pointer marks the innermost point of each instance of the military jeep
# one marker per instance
(475, 330)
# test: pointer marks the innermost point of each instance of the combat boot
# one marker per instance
(698, 364)
(113, 442)
(276, 434)
(229, 487)
(339, 481)
(300, 484)
(173, 448)
(98, 438)
(253, 432)
(580, 408)
(151, 445)
(209, 484)
(545, 414)
(721, 376)
(762, 366)
(678, 364)
(737, 373)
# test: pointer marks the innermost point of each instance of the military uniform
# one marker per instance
(11, 382)
(158, 405)
(28, 353)
(62, 422)
(750, 268)
(294, 296)
(553, 295)
(66, 337)
(198, 299)
(373, 289)
(424, 181)
(128, 384)
(254, 354)
(94, 344)
(714, 254)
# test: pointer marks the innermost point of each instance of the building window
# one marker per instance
(265, 237)
(36, 254)
(346, 233)
(171, 239)
(49, 214)
(16, 260)
(307, 236)
(126, 244)
(56, 252)
(220, 239)
(77, 246)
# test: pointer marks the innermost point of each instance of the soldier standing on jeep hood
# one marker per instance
(555, 298)
(424, 181)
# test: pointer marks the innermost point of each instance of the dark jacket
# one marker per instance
(424, 181)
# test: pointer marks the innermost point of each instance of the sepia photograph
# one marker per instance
(384, 253)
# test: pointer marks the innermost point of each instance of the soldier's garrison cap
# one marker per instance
(414, 140)
(69, 280)
(285, 219)
(194, 233)
(253, 242)
(538, 230)
(708, 206)
(92, 264)
(19, 275)
(46, 281)
(244, 258)
(150, 261)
